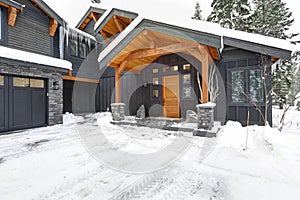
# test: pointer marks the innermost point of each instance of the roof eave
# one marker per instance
(49, 11)
(259, 48)
(91, 9)
(14, 4)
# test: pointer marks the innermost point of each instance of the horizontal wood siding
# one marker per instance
(31, 31)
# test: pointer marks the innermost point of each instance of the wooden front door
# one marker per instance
(170, 96)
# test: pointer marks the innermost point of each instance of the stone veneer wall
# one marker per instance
(55, 97)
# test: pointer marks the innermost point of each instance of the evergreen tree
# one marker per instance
(271, 18)
(197, 15)
(233, 14)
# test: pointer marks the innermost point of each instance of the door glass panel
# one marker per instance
(155, 71)
(155, 81)
(237, 84)
(186, 79)
(155, 93)
(36, 83)
(256, 85)
(186, 66)
(20, 82)
(1, 80)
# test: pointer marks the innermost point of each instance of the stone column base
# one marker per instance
(118, 111)
(205, 114)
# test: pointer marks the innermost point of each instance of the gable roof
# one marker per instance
(47, 10)
(88, 12)
(203, 32)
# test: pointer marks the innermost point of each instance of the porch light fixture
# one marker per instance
(56, 85)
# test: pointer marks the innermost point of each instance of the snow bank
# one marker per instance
(70, 118)
(20, 55)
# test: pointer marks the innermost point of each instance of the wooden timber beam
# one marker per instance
(105, 37)
(121, 21)
(114, 65)
(118, 24)
(149, 36)
(117, 86)
(53, 27)
(174, 48)
(95, 16)
(122, 66)
(76, 78)
(12, 16)
(201, 55)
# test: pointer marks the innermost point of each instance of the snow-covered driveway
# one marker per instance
(53, 163)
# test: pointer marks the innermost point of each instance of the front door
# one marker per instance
(170, 96)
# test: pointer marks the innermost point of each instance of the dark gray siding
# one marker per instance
(31, 30)
(237, 59)
(90, 27)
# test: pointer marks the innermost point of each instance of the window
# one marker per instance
(1, 80)
(155, 93)
(187, 79)
(20, 82)
(82, 50)
(187, 92)
(166, 69)
(36, 83)
(237, 85)
(155, 81)
(247, 85)
(186, 66)
(256, 91)
(155, 71)
(73, 47)
(174, 68)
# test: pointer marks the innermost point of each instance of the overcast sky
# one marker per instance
(73, 10)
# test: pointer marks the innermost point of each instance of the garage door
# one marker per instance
(22, 103)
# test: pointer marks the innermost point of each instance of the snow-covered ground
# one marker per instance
(54, 163)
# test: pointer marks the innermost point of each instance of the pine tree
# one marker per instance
(197, 15)
(233, 14)
(271, 18)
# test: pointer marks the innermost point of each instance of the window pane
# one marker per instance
(186, 66)
(1, 80)
(21, 82)
(82, 50)
(187, 79)
(166, 69)
(155, 93)
(155, 71)
(256, 85)
(73, 47)
(36, 83)
(155, 81)
(237, 84)
(174, 68)
(187, 92)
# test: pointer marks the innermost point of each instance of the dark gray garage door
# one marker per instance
(22, 103)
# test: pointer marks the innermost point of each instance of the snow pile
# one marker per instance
(292, 119)
(15, 54)
(70, 118)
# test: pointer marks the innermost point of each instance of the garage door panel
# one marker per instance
(20, 109)
(38, 107)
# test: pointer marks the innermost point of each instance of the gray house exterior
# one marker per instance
(115, 56)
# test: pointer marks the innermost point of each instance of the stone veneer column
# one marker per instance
(118, 111)
(205, 115)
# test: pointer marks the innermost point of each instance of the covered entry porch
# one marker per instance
(172, 72)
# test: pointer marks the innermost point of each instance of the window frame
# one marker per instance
(78, 49)
(3, 26)
(246, 86)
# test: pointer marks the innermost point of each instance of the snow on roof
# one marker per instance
(24, 56)
(188, 23)
(82, 33)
